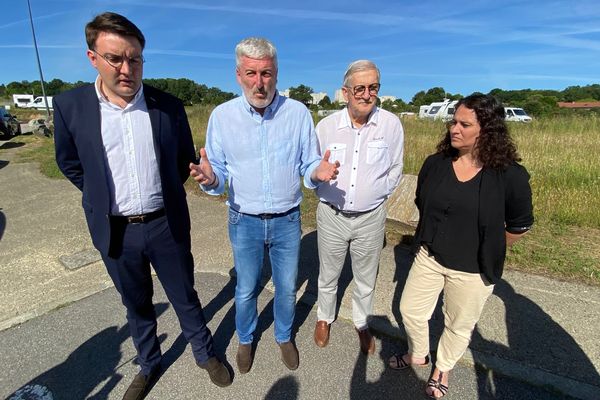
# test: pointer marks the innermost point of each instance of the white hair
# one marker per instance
(359, 66)
(257, 48)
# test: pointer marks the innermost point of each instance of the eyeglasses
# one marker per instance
(116, 61)
(359, 90)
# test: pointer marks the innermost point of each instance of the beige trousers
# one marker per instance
(336, 235)
(464, 297)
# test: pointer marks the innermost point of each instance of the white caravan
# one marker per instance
(22, 100)
(442, 110)
(40, 104)
(516, 114)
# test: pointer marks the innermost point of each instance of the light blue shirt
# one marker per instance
(132, 170)
(262, 157)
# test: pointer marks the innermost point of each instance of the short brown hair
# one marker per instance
(113, 23)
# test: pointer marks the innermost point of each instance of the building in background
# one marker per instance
(384, 98)
(582, 105)
(317, 97)
(339, 97)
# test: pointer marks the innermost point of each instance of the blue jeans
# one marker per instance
(250, 237)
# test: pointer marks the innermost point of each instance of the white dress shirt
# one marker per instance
(132, 171)
(370, 159)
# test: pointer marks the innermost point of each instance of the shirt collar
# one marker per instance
(139, 95)
(270, 109)
(345, 121)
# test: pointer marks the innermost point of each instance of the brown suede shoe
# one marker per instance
(321, 333)
(367, 342)
(244, 358)
(140, 385)
(217, 371)
(289, 355)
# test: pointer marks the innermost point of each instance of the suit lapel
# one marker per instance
(154, 112)
(93, 122)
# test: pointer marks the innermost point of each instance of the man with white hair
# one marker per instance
(260, 144)
(368, 144)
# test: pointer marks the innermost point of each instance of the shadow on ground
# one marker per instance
(95, 362)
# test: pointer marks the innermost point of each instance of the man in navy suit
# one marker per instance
(127, 147)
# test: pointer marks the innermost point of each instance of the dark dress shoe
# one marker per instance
(244, 358)
(322, 333)
(367, 342)
(289, 355)
(140, 385)
(217, 371)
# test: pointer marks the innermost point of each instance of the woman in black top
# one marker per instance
(474, 199)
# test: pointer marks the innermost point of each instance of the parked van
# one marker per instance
(516, 114)
(442, 110)
(40, 104)
(423, 110)
(22, 100)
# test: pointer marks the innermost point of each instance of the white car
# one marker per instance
(516, 114)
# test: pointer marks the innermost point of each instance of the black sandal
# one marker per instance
(432, 383)
(401, 364)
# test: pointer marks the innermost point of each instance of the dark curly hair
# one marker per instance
(494, 147)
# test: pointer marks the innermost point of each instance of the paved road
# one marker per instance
(83, 351)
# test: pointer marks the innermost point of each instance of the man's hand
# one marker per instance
(325, 171)
(203, 172)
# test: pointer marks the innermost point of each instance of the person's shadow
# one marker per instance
(391, 384)
(286, 388)
(221, 336)
(95, 361)
(534, 339)
(2, 223)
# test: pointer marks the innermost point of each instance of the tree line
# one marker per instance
(187, 90)
(535, 101)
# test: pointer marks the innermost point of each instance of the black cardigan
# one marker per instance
(504, 204)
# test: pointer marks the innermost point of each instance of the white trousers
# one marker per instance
(464, 297)
(363, 235)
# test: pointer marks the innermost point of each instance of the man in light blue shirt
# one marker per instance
(261, 143)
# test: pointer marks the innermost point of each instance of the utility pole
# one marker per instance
(37, 54)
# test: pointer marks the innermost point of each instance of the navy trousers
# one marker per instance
(152, 243)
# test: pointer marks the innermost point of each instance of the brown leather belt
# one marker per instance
(141, 218)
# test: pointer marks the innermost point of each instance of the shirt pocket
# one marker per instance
(377, 152)
(337, 152)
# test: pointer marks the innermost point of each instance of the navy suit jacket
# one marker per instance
(81, 158)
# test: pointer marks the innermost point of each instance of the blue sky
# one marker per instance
(461, 46)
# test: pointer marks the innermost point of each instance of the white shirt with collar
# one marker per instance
(370, 159)
(132, 170)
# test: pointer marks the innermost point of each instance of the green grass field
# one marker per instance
(560, 153)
